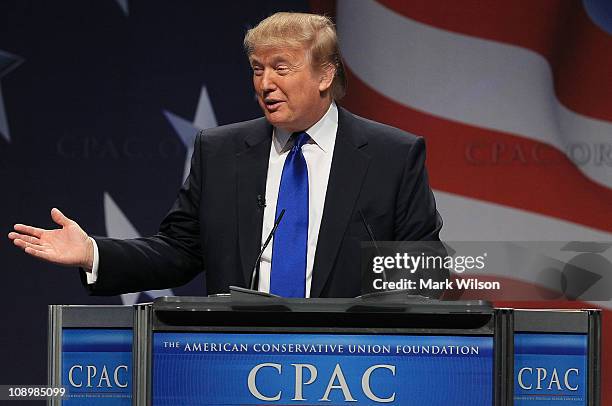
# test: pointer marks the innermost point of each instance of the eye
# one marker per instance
(257, 70)
(282, 69)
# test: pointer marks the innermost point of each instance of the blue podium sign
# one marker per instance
(96, 366)
(199, 368)
(550, 369)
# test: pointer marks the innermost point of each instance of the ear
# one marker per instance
(328, 72)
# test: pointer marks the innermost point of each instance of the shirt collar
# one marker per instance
(322, 133)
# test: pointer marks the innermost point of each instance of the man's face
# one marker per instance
(288, 89)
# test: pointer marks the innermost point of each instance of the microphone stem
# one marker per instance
(255, 273)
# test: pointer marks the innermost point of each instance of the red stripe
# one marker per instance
(559, 30)
(492, 165)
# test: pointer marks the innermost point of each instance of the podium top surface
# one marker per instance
(244, 311)
(394, 304)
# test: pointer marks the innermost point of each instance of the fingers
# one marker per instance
(28, 230)
(35, 250)
(39, 254)
(23, 237)
(59, 217)
(39, 251)
(24, 245)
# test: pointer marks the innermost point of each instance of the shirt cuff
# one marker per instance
(92, 276)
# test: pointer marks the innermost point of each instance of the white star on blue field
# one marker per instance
(125, 7)
(187, 130)
(8, 62)
(117, 223)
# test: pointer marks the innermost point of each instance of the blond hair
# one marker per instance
(296, 30)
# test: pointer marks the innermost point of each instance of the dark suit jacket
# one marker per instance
(215, 223)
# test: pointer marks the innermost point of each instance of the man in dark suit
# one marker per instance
(340, 179)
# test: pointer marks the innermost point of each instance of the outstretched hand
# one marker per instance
(68, 245)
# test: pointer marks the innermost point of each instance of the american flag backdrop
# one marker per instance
(514, 99)
(100, 103)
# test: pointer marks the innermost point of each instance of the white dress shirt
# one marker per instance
(318, 153)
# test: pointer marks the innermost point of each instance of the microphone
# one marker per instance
(255, 273)
(261, 201)
(373, 238)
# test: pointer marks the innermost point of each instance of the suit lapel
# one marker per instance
(349, 166)
(252, 163)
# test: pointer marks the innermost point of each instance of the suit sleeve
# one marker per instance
(170, 258)
(416, 216)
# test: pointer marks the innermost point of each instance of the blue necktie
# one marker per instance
(288, 273)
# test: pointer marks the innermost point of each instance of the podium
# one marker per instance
(556, 356)
(90, 354)
(244, 350)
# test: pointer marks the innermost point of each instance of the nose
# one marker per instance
(267, 81)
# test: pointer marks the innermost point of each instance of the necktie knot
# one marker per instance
(301, 138)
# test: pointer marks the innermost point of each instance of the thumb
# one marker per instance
(59, 217)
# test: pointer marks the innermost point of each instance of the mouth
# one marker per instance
(272, 104)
